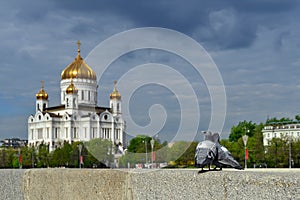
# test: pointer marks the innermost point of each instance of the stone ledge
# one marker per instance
(147, 184)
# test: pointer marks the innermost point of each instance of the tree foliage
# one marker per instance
(179, 153)
(136, 151)
(101, 150)
(274, 155)
(187, 155)
(275, 120)
(139, 144)
(255, 146)
(243, 128)
(67, 155)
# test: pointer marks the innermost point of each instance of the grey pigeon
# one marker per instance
(225, 159)
(210, 151)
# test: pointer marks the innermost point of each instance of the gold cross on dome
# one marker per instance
(115, 85)
(78, 43)
(42, 82)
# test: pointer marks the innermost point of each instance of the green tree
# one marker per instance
(62, 156)
(297, 117)
(2, 157)
(275, 120)
(10, 156)
(132, 159)
(241, 129)
(161, 151)
(28, 155)
(188, 156)
(254, 144)
(139, 144)
(15, 162)
(257, 147)
(100, 149)
(43, 156)
(277, 153)
(137, 148)
(181, 153)
(74, 161)
(296, 153)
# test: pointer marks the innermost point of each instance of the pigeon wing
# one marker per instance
(225, 158)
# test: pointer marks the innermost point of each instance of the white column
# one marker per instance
(113, 129)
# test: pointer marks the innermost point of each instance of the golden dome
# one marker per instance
(115, 94)
(42, 95)
(71, 89)
(78, 69)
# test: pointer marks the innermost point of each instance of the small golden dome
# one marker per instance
(71, 89)
(115, 94)
(42, 95)
(78, 68)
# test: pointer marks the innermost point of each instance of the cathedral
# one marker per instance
(77, 118)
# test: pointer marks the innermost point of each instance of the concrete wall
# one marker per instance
(146, 184)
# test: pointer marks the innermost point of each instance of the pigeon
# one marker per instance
(225, 159)
(211, 152)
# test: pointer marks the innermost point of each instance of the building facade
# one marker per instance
(283, 130)
(77, 118)
(13, 142)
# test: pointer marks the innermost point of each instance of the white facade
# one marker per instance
(284, 130)
(78, 118)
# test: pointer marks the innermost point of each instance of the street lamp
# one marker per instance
(290, 152)
(152, 145)
(110, 153)
(146, 152)
(80, 158)
(245, 139)
(117, 146)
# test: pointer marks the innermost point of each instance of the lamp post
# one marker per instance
(152, 145)
(245, 139)
(110, 155)
(80, 158)
(117, 146)
(146, 153)
(290, 153)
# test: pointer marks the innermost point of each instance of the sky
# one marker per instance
(254, 44)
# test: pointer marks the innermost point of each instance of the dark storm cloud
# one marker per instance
(216, 24)
(223, 24)
(264, 6)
